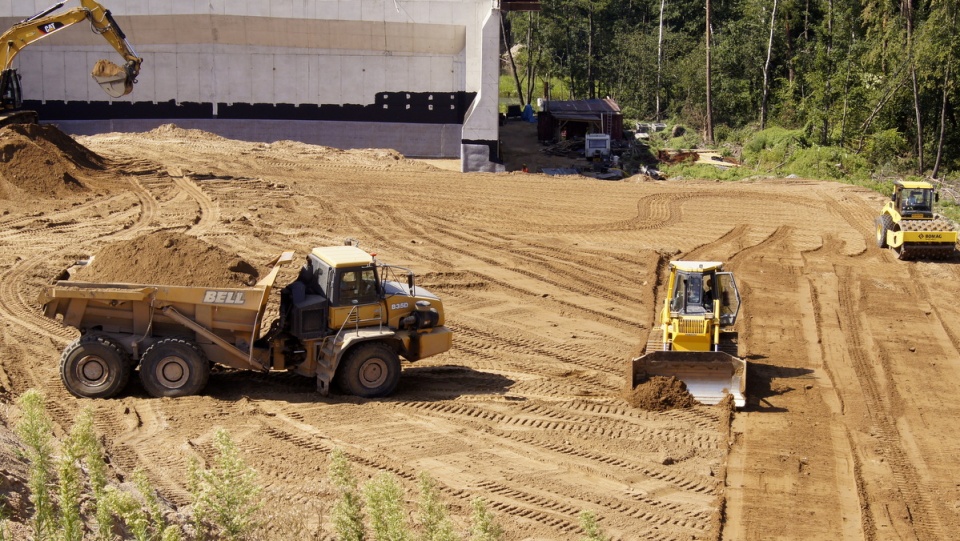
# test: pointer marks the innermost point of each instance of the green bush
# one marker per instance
(35, 430)
(588, 521)
(226, 494)
(384, 499)
(434, 517)
(484, 526)
(348, 509)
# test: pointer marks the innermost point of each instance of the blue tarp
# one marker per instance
(528, 114)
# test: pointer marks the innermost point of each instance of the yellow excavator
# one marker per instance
(115, 80)
(695, 342)
(908, 224)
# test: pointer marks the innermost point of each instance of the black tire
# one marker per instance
(174, 367)
(884, 224)
(94, 366)
(369, 370)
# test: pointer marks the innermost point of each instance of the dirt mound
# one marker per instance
(43, 162)
(661, 393)
(168, 258)
(172, 131)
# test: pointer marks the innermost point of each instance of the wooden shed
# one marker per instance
(575, 118)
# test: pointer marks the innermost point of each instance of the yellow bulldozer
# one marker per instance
(695, 342)
(908, 224)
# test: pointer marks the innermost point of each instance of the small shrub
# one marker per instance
(227, 494)
(484, 526)
(384, 499)
(588, 521)
(348, 510)
(36, 432)
(434, 517)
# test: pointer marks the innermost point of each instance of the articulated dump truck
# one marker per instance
(345, 320)
(694, 341)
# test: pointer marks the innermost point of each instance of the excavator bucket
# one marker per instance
(113, 79)
(708, 375)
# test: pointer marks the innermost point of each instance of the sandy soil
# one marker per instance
(851, 430)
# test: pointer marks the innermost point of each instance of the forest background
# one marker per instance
(866, 85)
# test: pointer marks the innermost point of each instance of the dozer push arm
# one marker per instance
(46, 23)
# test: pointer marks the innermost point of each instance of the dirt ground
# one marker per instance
(852, 426)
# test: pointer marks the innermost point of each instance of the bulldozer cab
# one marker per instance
(696, 290)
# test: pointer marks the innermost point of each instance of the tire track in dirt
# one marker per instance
(924, 520)
(468, 254)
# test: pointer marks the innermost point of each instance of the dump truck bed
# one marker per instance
(224, 321)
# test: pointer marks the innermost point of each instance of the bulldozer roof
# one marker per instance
(343, 256)
(696, 266)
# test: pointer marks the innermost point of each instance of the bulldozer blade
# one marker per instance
(708, 375)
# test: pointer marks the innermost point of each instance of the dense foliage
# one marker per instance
(875, 79)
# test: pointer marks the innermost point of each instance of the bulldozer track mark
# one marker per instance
(529, 346)
(925, 521)
(575, 282)
(683, 483)
(560, 422)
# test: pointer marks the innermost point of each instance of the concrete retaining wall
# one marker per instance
(394, 68)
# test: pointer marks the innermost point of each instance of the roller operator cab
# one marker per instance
(694, 341)
(909, 225)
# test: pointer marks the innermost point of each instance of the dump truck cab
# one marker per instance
(344, 301)
(694, 341)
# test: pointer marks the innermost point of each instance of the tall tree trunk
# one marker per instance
(943, 122)
(590, 77)
(513, 66)
(827, 102)
(766, 69)
(709, 127)
(531, 68)
(908, 13)
(659, 57)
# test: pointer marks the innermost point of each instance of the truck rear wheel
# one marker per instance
(173, 367)
(370, 371)
(94, 366)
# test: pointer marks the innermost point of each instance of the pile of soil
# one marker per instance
(170, 259)
(42, 162)
(660, 393)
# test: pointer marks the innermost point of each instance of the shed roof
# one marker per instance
(582, 109)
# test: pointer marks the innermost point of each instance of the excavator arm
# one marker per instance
(115, 80)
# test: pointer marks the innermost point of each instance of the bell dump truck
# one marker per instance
(694, 341)
(345, 320)
(908, 224)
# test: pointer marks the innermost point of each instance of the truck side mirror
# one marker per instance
(410, 280)
(936, 197)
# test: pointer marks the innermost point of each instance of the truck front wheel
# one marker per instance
(173, 367)
(94, 366)
(370, 370)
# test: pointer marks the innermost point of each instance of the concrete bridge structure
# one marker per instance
(418, 76)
